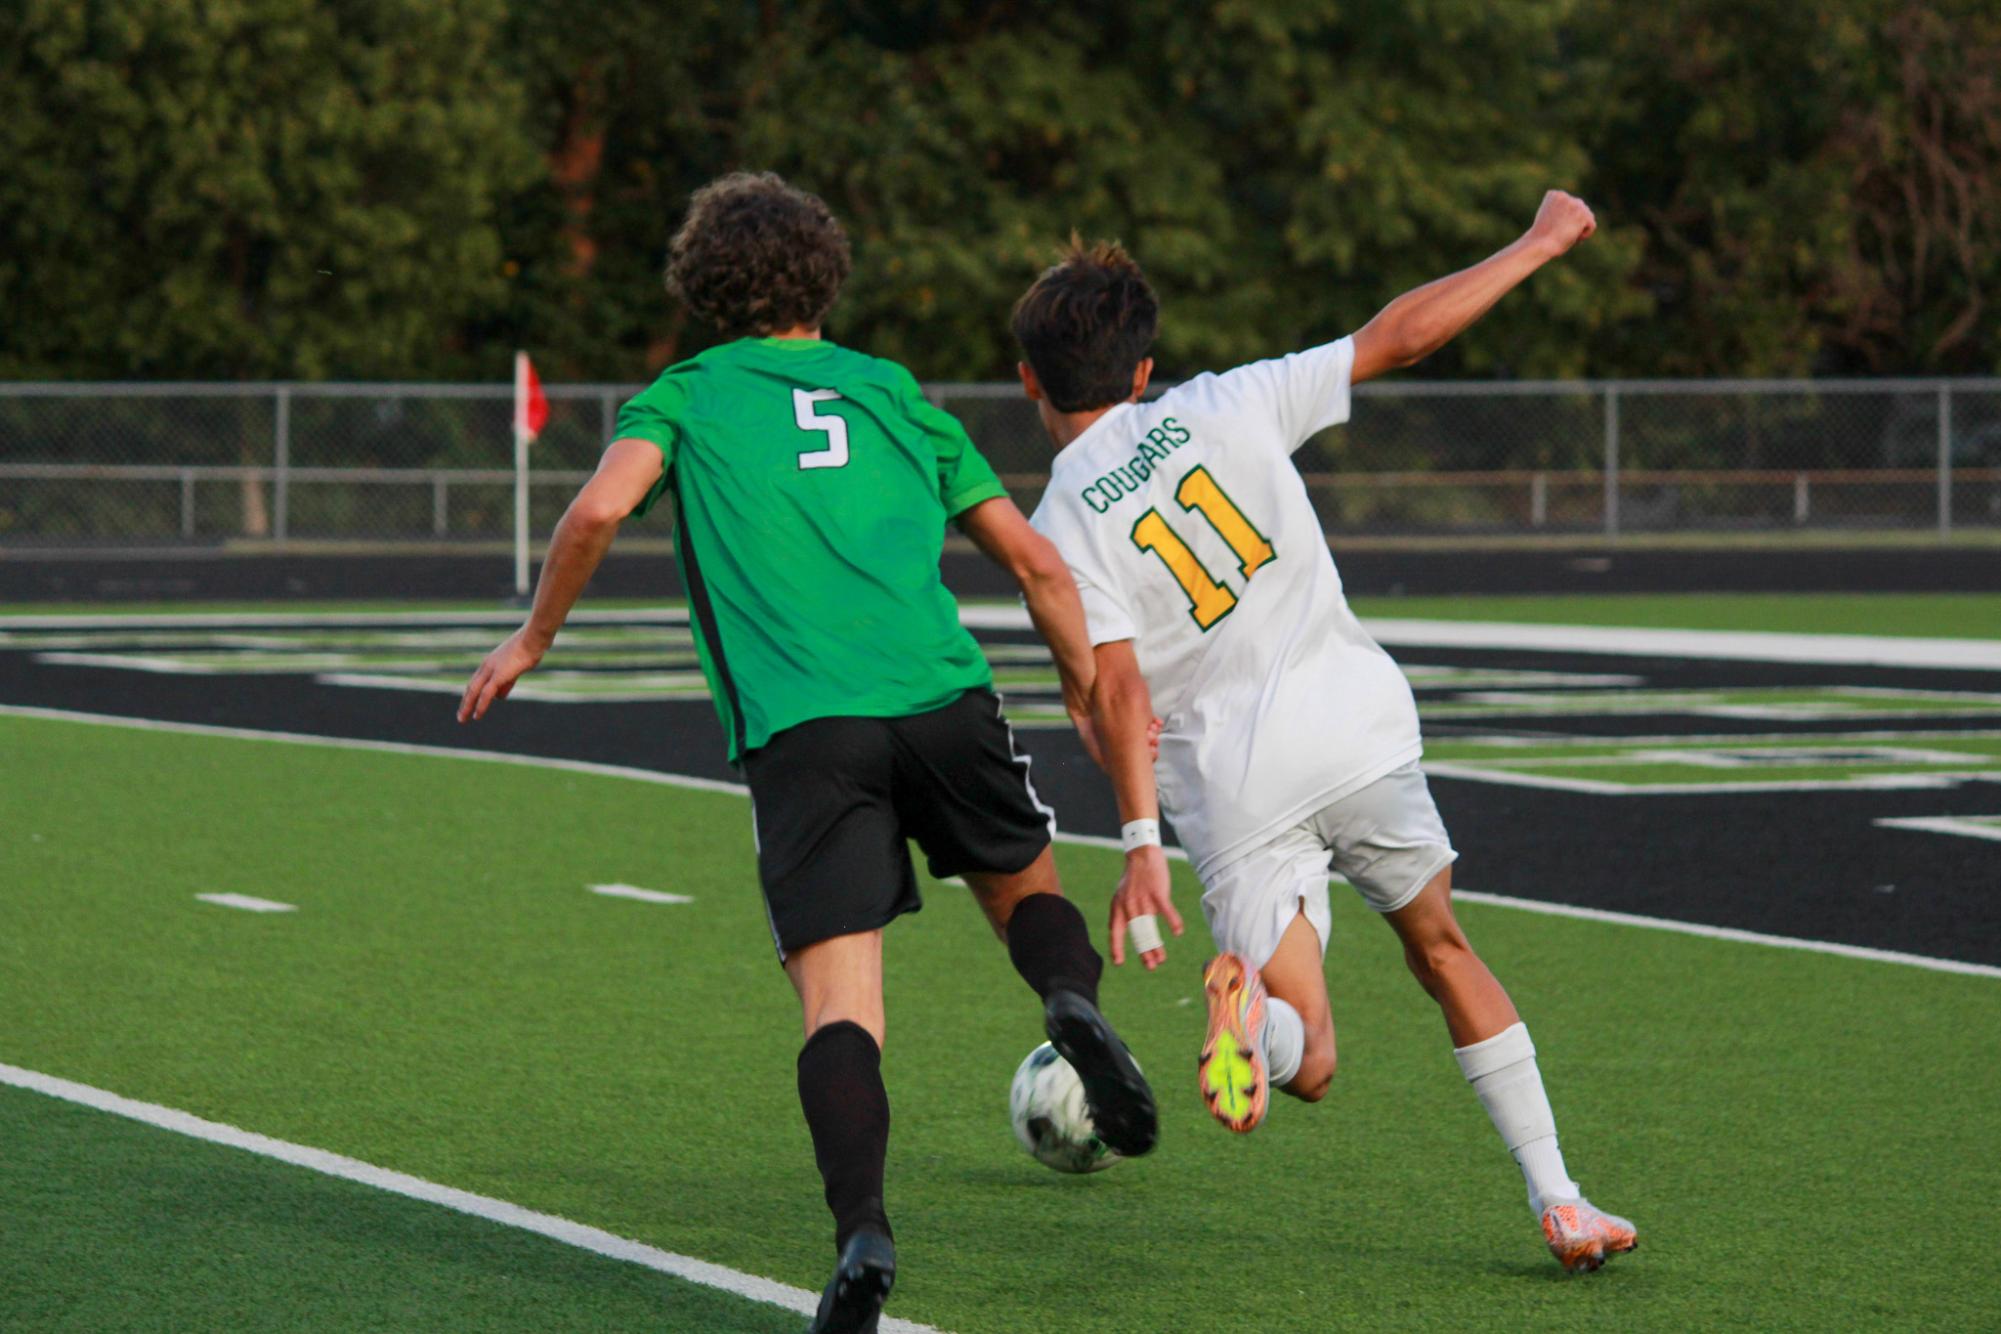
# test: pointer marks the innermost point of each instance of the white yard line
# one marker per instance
(237, 619)
(1641, 641)
(1943, 824)
(1638, 641)
(584, 1237)
(1086, 840)
(1728, 933)
(1746, 645)
(247, 903)
(1474, 772)
(386, 747)
(635, 892)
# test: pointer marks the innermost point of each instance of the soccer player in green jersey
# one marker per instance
(812, 486)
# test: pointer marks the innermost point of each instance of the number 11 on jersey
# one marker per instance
(1209, 600)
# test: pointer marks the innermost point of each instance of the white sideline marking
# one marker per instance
(1729, 933)
(635, 892)
(1744, 645)
(1635, 641)
(1640, 641)
(1943, 824)
(1086, 840)
(430, 1192)
(240, 619)
(1473, 772)
(387, 747)
(247, 903)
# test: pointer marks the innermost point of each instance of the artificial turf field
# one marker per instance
(1805, 1140)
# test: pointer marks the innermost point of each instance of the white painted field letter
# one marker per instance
(835, 455)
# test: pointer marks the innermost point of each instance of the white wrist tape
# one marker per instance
(1144, 933)
(1140, 834)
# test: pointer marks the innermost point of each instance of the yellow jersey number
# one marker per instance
(1208, 600)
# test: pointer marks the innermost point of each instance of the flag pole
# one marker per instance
(521, 434)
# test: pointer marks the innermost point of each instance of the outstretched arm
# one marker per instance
(1001, 531)
(625, 474)
(1122, 716)
(1421, 321)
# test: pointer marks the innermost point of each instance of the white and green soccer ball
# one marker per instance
(1046, 1104)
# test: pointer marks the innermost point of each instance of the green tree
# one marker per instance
(1281, 170)
(1820, 185)
(252, 188)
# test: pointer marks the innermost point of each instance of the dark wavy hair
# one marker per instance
(1086, 324)
(757, 255)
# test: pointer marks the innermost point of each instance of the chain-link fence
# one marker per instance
(123, 465)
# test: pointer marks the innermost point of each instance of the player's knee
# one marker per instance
(1315, 1077)
(869, 1018)
(1316, 1065)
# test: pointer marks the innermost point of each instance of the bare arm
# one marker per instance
(1421, 321)
(1001, 531)
(625, 474)
(1122, 716)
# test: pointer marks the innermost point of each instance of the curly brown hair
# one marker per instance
(757, 256)
(1086, 324)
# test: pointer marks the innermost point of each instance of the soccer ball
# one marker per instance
(1046, 1104)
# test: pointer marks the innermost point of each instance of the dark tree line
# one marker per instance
(408, 189)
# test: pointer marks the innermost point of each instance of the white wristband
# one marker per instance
(1144, 932)
(1140, 834)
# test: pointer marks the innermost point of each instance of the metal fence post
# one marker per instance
(1944, 462)
(281, 488)
(188, 503)
(440, 515)
(1539, 500)
(1801, 504)
(608, 410)
(1611, 460)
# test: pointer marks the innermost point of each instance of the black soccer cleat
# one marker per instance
(1117, 1093)
(852, 1302)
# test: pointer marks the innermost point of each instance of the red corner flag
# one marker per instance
(531, 406)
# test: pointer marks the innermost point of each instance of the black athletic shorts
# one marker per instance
(835, 800)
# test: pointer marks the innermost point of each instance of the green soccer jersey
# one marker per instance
(812, 486)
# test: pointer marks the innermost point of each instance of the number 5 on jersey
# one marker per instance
(1209, 600)
(835, 454)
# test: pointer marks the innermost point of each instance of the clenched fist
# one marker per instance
(1561, 222)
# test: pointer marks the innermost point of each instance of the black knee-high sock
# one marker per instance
(1051, 947)
(847, 1109)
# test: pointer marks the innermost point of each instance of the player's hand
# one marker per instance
(1144, 890)
(497, 675)
(1561, 222)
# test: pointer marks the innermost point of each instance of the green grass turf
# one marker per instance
(111, 1224)
(1804, 1140)
(1925, 615)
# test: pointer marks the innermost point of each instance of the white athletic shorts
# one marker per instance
(1386, 839)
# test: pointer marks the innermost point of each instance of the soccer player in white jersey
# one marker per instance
(1291, 743)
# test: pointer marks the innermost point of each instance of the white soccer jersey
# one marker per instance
(1190, 532)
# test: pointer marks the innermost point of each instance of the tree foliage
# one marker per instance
(409, 188)
(252, 188)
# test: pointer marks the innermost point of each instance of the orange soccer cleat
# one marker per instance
(1236, 1083)
(1582, 1237)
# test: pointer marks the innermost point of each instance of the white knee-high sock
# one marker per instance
(1285, 1041)
(1502, 1071)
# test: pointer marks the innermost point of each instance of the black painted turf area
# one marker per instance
(1811, 864)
